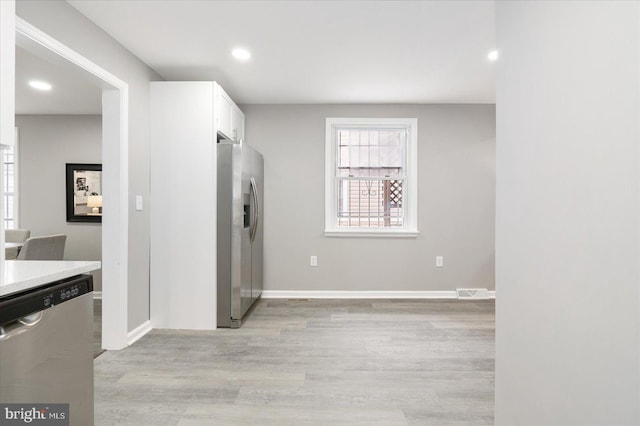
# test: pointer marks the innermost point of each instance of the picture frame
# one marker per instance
(84, 192)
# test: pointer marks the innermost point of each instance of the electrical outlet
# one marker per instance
(439, 261)
(313, 261)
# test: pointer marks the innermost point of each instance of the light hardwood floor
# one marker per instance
(316, 362)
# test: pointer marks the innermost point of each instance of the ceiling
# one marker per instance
(314, 51)
(73, 91)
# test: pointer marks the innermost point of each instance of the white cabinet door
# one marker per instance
(229, 119)
(223, 109)
(237, 124)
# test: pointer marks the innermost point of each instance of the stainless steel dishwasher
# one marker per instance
(46, 347)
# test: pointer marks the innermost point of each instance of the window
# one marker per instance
(371, 177)
(10, 180)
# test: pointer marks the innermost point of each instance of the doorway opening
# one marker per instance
(115, 101)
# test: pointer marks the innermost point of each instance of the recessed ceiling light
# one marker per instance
(40, 85)
(241, 54)
(493, 55)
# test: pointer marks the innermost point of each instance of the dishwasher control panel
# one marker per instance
(37, 299)
(60, 295)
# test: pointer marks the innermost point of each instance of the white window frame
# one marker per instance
(409, 187)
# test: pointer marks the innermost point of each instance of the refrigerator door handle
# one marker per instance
(256, 210)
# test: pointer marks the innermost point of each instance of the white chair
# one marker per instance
(16, 235)
(43, 248)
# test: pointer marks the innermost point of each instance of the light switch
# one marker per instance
(138, 202)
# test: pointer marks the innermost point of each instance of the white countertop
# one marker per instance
(20, 275)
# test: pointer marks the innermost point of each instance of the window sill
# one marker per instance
(357, 233)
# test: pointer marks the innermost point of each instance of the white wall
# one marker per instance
(64, 23)
(567, 234)
(456, 160)
(47, 143)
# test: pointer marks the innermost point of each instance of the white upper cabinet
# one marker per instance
(237, 124)
(228, 117)
(222, 112)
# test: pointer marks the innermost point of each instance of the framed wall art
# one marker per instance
(84, 192)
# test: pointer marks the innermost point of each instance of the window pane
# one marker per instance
(371, 153)
(8, 214)
(373, 203)
(9, 178)
(8, 158)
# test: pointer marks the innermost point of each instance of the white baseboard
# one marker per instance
(97, 295)
(135, 334)
(286, 294)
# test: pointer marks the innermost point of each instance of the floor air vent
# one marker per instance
(472, 293)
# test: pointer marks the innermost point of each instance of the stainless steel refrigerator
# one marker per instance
(240, 230)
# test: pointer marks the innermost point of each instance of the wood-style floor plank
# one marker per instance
(315, 362)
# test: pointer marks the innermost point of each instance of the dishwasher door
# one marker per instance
(47, 357)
